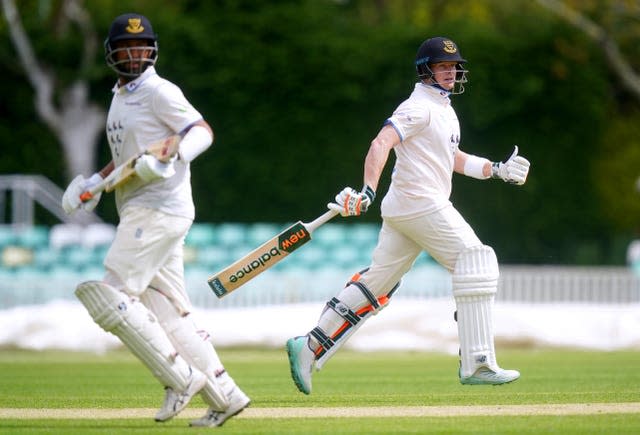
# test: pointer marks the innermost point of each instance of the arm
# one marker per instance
(171, 106)
(378, 155)
(197, 138)
(483, 166)
(514, 169)
(352, 203)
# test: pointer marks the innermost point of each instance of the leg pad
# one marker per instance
(475, 280)
(138, 329)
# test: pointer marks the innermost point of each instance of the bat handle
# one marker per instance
(321, 220)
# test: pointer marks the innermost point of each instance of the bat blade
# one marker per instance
(265, 256)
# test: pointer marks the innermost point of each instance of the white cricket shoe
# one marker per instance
(237, 402)
(486, 376)
(301, 361)
(174, 402)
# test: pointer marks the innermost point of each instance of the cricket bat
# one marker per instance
(163, 150)
(267, 255)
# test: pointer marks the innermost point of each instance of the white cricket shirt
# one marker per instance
(430, 133)
(144, 111)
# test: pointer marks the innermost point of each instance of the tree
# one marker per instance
(602, 36)
(613, 26)
(66, 110)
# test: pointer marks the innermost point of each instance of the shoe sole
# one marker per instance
(236, 413)
(472, 381)
(192, 390)
(242, 408)
(291, 352)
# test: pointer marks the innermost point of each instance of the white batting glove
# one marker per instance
(514, 170)
(71, 198)
(349, 202)
(148, 168)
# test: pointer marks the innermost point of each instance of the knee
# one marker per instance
(476, 272)
(106, 306)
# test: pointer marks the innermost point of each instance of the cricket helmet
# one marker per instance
(130, 27)
(440, 49)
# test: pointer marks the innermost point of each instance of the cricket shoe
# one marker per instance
(486, 376)
(301, 360)
(174, 402)
(237, 402)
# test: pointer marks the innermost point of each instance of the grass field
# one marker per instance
(560, 392)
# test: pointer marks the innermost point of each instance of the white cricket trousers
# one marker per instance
(148, 252)
(443, 234)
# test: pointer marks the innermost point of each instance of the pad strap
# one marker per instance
(328, 344)
(352, 321)
(367, 294)
(323, 339)
(355, 280)
(343, 311)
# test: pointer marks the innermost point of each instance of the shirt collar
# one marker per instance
(435, 90)
(135, 84)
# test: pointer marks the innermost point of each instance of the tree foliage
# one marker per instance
(295, 91)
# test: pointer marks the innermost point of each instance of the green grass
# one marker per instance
(116, 380)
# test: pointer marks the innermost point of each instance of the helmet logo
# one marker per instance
(449, 46)
(135, 25)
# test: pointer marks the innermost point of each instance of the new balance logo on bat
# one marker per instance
(288, 241)
(292, 238)
(265, 256)
(253, 265)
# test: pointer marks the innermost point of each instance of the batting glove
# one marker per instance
(513, 170)
(71, 198)
(148, 168)
(349, 202)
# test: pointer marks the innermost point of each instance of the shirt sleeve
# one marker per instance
(171, 106)
(408, 120)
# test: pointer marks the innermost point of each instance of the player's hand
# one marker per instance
(513, 170)
(148, 168)
(349, 202)
(71, 198)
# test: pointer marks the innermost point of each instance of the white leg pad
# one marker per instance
(200, 354)
(214, 396)
(193, 347)
(475, 283)
(138, 329)
(182, 332)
